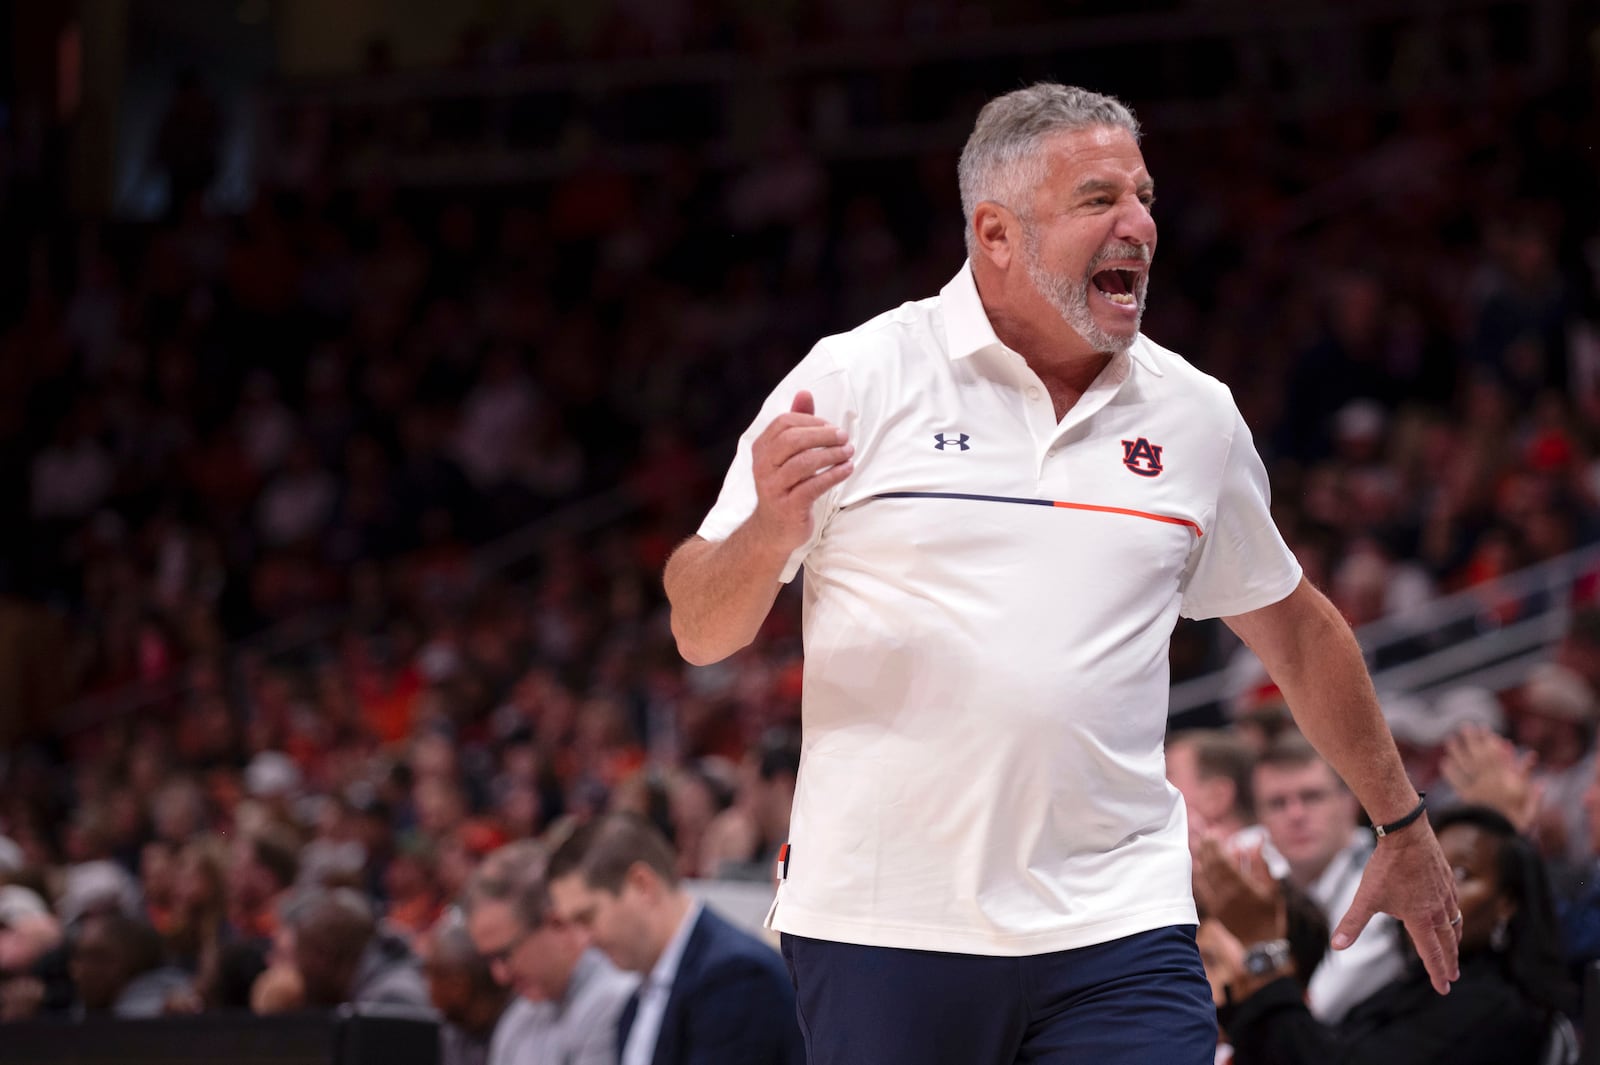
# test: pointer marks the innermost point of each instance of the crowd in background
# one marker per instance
(214, 427)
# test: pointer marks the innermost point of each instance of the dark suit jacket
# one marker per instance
(731, 1003)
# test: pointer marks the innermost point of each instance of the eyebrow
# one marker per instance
(1089, 185)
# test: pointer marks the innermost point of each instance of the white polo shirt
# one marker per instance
(988, 603)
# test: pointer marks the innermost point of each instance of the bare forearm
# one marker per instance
(721, 592)
(1315, 661)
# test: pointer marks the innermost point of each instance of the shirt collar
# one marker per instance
(967, 329)
(666, 967)
(589, 962)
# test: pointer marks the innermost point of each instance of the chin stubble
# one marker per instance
(1070, 297)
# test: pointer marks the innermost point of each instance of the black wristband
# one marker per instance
(1395, 826)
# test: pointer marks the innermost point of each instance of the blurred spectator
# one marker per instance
(262, 869)
(118, 967)
(1311, 820)
(743, 841)
(576, 994)
(1555, 719)
(709, 989)
(197, 925)
(226, 980)
(342, 956)
(29, 933)
(98, 887)
(462, 989)
(1211, 770)
(696, 795)
(412, 890)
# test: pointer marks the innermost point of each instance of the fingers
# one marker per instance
(1437, 946)
(1354, 921)
(795, 447)
(795, 460)
(790, 441)
(1407, 876)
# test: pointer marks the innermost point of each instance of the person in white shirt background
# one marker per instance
(1312, 820)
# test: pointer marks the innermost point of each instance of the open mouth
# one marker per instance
(1118, 286)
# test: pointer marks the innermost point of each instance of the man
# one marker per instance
(1555, 719)
(118, 967)
(463, 990)
(263, 870)
(1312, 821)
(342, 956)
(571, 996)
(712, 994)
(1004, 497)
(742, 842)
(1211, 770)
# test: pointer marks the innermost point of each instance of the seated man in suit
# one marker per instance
(569, 996)
(712, 994)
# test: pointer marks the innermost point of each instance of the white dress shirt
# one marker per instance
(578, 1030)
(653, 995)
(1347, 976)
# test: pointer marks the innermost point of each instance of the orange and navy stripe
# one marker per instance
(1062, 504)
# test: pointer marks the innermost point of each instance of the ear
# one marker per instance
(643, 879)
(997, 233)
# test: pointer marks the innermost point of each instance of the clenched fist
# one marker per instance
(796, 459)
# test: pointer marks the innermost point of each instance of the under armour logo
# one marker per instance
(1135, 452)
(944, 440)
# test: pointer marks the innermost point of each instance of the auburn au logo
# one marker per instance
(1142, 457)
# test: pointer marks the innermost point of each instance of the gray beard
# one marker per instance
(1071, 299)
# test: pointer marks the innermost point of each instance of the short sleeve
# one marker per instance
(1241, 563)
(819, 374)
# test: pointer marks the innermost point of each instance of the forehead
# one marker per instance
(491, 919)
(1283, 777)
(1095, 153)
(570, 893)
(1181, 760)
(1468, 846)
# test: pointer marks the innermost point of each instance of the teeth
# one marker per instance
(1124, 299)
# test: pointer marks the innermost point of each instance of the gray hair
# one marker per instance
(1001, 162)
(515, 875)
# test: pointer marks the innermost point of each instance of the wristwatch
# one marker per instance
(1268, 957)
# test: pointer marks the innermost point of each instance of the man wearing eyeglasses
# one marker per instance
(570, 995)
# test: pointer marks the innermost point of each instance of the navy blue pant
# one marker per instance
(1142, 1000)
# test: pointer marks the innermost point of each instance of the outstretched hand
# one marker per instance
(797, 458)
(1408, 878)
(1485, 768)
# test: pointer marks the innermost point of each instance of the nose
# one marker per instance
(1136, 225)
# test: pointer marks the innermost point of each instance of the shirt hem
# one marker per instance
(792, 920)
